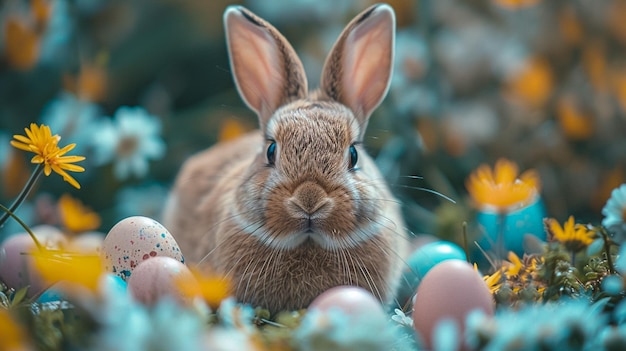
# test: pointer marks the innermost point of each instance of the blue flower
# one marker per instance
(615, 212)
(127, 325)
(129, 140)
(58, 34)
(563, 325)
(73, 119)
(333, 329)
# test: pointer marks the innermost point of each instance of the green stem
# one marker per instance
(465, 248)
(607, 250)
(23, 194)
(9, 213)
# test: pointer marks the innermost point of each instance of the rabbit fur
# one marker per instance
(298, 206)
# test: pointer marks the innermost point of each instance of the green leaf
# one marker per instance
(19, 296)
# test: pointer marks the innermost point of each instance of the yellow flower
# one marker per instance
(574, 237)
(211, 288)
(77, 268)
(75, 216)
(40, 141)
(516, 4)
(494, 281)
(514, 266)
(12, 336)
(500, 189)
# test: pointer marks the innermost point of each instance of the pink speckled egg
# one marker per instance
(16, 266)
(134, 240)
(352, 300)
(450, 290)
(158, 277)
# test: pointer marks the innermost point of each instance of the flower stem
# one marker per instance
(607, 250)
(9, 213)
(500, 246)
(23, 194)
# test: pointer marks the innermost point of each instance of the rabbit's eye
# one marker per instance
(271, 153)
(354, 157)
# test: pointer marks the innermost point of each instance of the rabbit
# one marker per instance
(297, 207)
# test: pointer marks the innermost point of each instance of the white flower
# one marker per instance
(401, 318)
(615, 211)
(129, 140)
(73, 119)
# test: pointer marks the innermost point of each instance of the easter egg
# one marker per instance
(88, 242)
(158, 277)
(134, 240)
(449, 292)
(422, 260)
(515, 227)
(352, 300)
(51, 295)
(17, 269)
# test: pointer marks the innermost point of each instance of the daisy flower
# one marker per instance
(73, 118)
(129, 140)
(574, 237)
(58, 265)
(39, 140)
(75, 216)
(501, 189)
(615, 210)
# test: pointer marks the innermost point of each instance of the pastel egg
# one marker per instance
(449, 292)
(518, 226)
(352, 300)
(88, 242)
(157, 278)
(134, 240)
(422, 260)
(16, 266)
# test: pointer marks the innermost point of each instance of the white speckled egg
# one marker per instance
(158, 277)
(134, 240)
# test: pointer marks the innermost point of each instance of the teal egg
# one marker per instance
(422, 260)
(517, 226)
(427, 256)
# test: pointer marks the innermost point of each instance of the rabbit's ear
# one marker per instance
(267, 71)
(357, 71)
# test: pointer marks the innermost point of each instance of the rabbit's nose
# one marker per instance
(310, 200)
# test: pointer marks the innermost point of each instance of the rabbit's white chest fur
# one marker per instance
(299, 207)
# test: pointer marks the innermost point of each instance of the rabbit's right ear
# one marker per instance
(266, 69)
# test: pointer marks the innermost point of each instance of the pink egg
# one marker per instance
(450, 290)
(134, 240)
(157, 278)
(16, 266)
(352, 300)
(88, 242)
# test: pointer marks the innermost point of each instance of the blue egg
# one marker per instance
(422, 260)
(517, 225)
(51, 295)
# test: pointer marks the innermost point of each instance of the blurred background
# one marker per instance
(141, 85)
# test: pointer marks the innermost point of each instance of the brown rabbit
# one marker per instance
(299, 207)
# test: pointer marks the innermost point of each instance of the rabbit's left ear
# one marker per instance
(358, 69)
